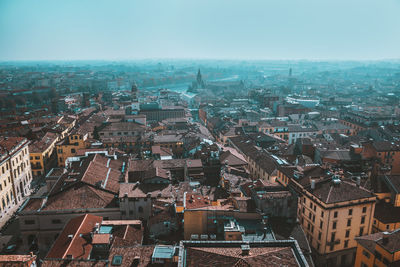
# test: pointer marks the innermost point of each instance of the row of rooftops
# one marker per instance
(91, 239)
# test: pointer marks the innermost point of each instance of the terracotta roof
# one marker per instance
(80, 196)
(101, 239)
(393, 241)
(231, 159)
(17, 258)
(392, 181)
(74, 263)
(129, 254)
(387, 213)
(127, 235)
(162, 151)
(382, 146)
(10, 143)
(221, 254)
(100, 175)
(196, 201)
(369, 241)
(328, 192)
(43, 144)
(141, 190)
(73, 240)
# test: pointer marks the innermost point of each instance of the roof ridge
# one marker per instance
(75, 235)
(329, 194)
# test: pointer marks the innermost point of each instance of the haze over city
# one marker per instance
(235, 29)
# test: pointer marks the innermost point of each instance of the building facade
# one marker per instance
(15, 174)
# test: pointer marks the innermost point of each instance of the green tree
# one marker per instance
(96, 133)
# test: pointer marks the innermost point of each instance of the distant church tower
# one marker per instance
(199, 78)
(134, 91)
(134, 98)
(200, 82)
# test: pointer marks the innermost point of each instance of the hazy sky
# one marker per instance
(224, 29)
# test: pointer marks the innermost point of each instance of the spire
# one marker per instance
(199, 78)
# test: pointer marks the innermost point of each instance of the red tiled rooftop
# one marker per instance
(72, 240)
(195, 201)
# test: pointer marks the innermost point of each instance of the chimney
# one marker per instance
(312, 184)
(264, 233)
(385, 238)
(245, 249)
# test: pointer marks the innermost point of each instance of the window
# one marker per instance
(361, 231)
(366, 254)
(364, 210)
(348, 222)
(350, 212)
(117, 260)
(362, 219)
(321, 224)
(346, 243)
(335, 214)
(333, 235)
(347, 233)
(322, 214)
(29, 222)
(334, 225)
(319, 235)
(56, 221)
(73, 150)
(140, 209)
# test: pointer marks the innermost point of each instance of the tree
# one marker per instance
(96, 133)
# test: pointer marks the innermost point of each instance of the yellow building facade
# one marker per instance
(378, 250)
(332, 216)
(70, 146)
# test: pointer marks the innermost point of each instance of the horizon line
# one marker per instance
(198, 59)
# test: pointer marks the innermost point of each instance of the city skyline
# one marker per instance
(233, 30)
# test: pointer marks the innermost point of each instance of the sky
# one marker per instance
(199, 29)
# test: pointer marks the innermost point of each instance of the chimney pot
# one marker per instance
(385, 237)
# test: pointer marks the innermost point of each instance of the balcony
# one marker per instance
(332, 243)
